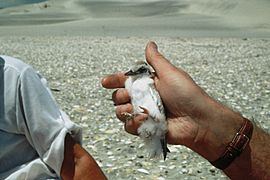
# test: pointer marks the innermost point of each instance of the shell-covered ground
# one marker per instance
(234, 71)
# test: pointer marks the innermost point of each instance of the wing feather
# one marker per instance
(157, 99)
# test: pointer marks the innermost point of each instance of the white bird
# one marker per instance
(145, 99)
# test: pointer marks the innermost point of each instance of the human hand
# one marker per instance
(194, 118)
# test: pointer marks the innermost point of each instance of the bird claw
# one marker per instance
(127, 116)
(145, 111)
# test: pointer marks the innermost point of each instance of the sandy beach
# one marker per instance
(235, 71)
(75, 43)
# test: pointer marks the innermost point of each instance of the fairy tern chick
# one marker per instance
(145, 99)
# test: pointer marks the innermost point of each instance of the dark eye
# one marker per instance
(142, 70)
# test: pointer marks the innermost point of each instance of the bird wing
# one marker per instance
(157, 99)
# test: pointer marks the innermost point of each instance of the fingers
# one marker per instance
(120, 96)
(131, 126)
(156, 60)
(114, 81)
(121, 109)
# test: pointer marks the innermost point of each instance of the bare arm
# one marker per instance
(78, 164)
(254, 163)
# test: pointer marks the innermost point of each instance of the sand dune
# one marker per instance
(143, 18)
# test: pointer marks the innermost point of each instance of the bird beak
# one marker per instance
(130, 73)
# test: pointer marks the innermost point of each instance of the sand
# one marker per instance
(234, 71)
(142, 18)
(76, 43)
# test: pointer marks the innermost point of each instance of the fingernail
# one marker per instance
(152, 45)
(103, 80)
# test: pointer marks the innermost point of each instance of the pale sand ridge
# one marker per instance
(139, 18)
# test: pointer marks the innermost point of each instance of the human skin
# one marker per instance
(78, 164)
(194, 118)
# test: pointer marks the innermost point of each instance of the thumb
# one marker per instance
(156, 59)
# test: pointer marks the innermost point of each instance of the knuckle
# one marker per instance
(129, 127)
(120, 96)
(119, 110)
(114, 95)
(156, 56)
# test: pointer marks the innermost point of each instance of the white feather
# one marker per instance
(143, 94)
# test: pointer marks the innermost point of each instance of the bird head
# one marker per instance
(140, 68)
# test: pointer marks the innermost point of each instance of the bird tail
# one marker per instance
(165, 148)
(156, 147)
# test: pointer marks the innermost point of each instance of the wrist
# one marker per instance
(236, 146)
(216, 130)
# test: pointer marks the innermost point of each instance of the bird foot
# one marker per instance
(145, 111)
(127, 116)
